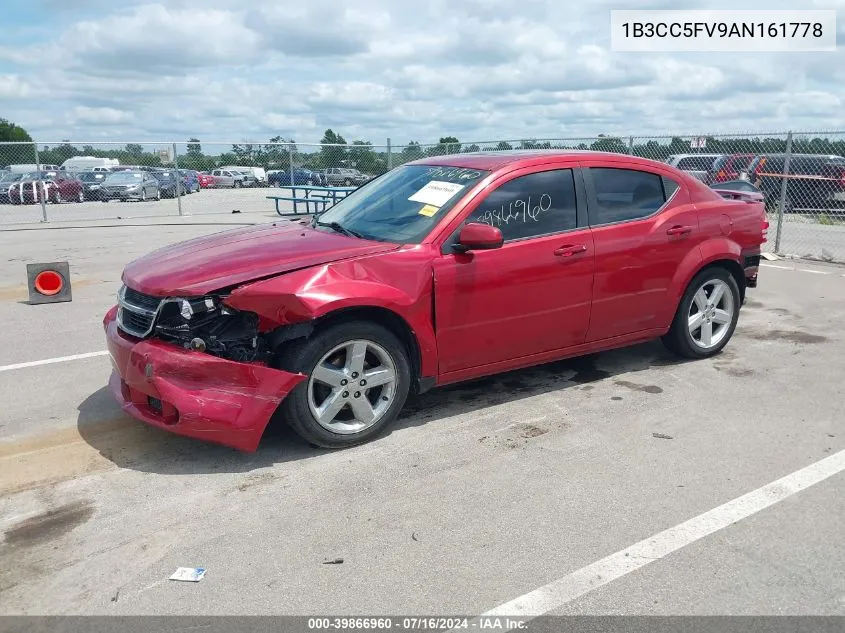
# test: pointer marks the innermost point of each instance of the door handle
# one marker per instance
(679, 230)
(570, 249)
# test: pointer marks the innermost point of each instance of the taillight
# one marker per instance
(764, 227)
(721, 175)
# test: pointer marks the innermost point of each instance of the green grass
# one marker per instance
(827, 220)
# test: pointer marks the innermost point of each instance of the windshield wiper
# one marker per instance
(336, 226)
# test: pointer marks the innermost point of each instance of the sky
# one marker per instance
(479, 70)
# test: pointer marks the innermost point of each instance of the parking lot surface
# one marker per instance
(480, 494)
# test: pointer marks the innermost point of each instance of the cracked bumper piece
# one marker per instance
(193, 393)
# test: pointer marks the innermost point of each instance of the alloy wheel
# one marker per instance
(711, 313)
(352, 387)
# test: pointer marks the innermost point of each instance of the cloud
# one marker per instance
(13, 87)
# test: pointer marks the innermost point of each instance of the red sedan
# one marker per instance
(54, 187)
(206, 180)
(442, 270)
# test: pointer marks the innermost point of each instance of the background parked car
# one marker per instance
(7, 181)
(697, 165)
(131, 185)
(205, 179)
(55, 186)
(191, 180)
(281, 178)
(231, 179)
(342, 176)
(169, 184)
(91, 183)
(814, 181)
(729, 167)
(259, 176)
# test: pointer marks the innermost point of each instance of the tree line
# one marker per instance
(335, 151)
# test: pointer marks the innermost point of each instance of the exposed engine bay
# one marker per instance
(202, 324)
(206, 325)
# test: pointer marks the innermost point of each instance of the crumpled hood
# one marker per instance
(216, 261)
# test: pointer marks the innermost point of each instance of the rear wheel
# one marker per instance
(80, 197)
(58, 197)
(143, 195)
(237, 184)
(359, 378)
(707, 315)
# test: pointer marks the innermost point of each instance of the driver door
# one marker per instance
(532, 295)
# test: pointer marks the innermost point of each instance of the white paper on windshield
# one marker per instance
(436, 193)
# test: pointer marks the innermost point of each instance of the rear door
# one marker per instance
(643, 228)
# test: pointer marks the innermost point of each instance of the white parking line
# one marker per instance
(801, 270)
(762, 265)
(574, 585)
(50, 361)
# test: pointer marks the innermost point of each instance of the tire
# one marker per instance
(81, 197)
(720, 319)
(158, 194)
(347, 182)
(57, 199)
(143, 195)
(335, 342)
(237, 184)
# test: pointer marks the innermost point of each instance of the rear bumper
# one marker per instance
(751, 267)
(192, 393)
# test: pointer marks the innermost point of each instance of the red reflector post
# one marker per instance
(48, 283)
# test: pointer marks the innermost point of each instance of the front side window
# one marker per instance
(626, 194)
(403, 205)
(529, 206)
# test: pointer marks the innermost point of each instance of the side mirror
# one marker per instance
(478, 237)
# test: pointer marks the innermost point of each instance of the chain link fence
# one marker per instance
(800, 174)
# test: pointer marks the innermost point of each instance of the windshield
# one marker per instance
(403, 205)
(91, 176)
(124, 177)
(11, 177)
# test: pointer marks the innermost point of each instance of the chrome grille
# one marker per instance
(136, 312)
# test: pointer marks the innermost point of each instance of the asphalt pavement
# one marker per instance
(480, 495)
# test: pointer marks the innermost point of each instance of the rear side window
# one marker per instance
(532, 205)
(627, 194)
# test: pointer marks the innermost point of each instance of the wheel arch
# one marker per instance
(390, 319)
(717, 254)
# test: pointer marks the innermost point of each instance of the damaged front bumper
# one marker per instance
(194, 393)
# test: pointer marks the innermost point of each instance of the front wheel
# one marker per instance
(237, 184)
(707, 315)
(80, 197)
(57, 199)
(359, 379)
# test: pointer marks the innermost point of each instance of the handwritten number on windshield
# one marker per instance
(455, 173)
(517, 211)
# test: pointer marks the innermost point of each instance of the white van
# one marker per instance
(89, 163)
(29, 168)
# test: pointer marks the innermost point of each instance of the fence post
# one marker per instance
(41, 186)
(290, 164)
(389, 155)
(630, 146)
(178, 180)
(783, 185)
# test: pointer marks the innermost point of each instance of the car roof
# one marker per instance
(491, 161)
